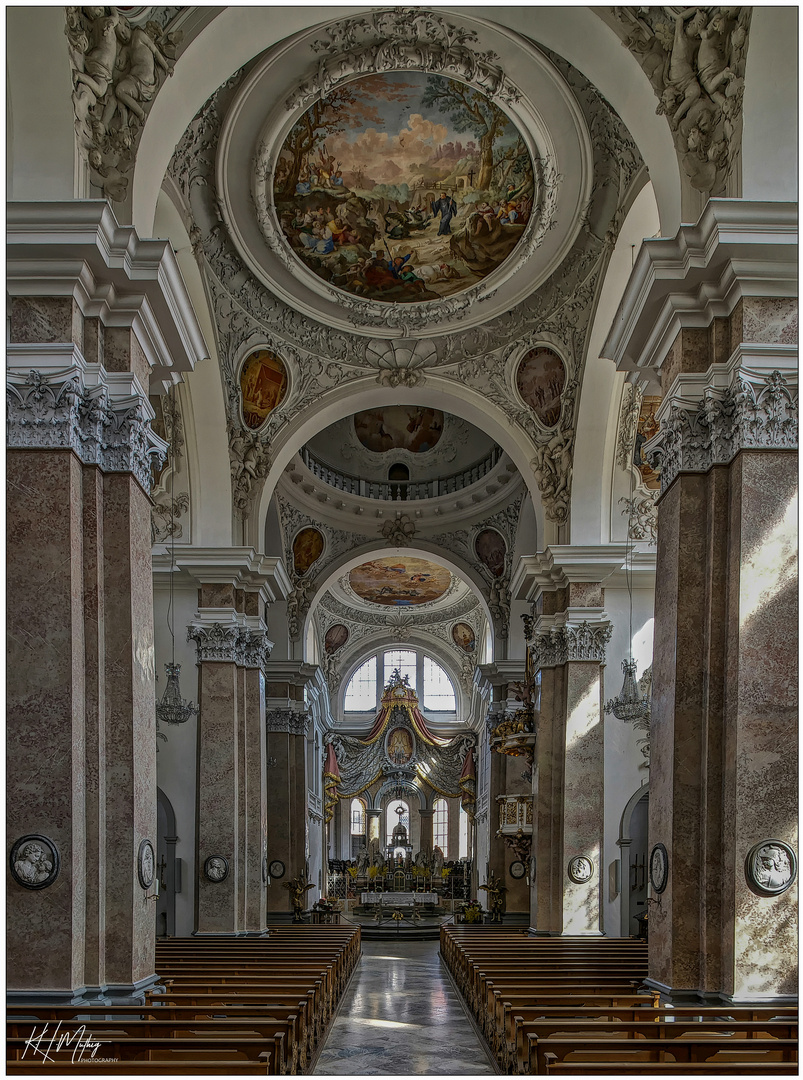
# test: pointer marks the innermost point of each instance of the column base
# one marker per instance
(674, 995)
(111, 994)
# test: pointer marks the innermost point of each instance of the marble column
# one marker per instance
(712, 315)
(568, 650)
(426, 818)
(232, 649)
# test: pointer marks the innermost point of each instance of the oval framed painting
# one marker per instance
(307, 549)
(540, 380)
(335, 638)
(463, 637)
(263, 386)
(491, 550)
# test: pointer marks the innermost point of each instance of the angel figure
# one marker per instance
(298, 887)
(496, 896)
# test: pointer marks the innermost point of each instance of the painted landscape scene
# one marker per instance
(403, 187)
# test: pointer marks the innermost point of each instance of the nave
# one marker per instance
(402, 1016)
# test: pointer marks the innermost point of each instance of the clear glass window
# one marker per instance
(462, 834)
(438, 689)
(440, 826)
(392, 819)
(361, 690)
(404, 661)
(357, 817)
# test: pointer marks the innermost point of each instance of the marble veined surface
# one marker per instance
(401, 1016)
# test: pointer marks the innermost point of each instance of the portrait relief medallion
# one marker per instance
(770, 867)
(216, 868)
(146, 864)
(403, 187)
(34, 861)
(659, 868)
(581, 869)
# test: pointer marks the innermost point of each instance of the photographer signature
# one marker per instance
(45, 1043)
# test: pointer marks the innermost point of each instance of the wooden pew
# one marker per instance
(196, 1067)
(689, 1050)
(763, 1033)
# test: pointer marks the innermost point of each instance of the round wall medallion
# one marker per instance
(517, 869)
(580, 869)
(216, 868)
(770, 867)
(34, 861)
(659, 868)
(276, 868)
(146, 864)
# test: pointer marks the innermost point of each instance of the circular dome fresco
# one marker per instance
(387, 173)
(403, 187)
(400, 582)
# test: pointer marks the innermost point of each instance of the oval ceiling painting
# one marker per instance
(540, 379)
(463, 637)
(307, 549)
(336, 637)
(399, 427)
(491, 549)
(399, 582)
(403, 187)
(263, 383)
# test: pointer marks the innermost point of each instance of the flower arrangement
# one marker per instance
(471, 911)
(352, 872)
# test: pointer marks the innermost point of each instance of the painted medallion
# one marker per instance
(399, 427)
(307, 548)
(335, 638)
(463, 637)
(399, 582)
(403, 187)
(540, 380)
(646, 429)
(491, 549)
(263, 383)
(400, 746)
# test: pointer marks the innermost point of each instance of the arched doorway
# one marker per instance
(167, 866)
(633, 841)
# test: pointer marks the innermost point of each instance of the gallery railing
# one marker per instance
(401, 490)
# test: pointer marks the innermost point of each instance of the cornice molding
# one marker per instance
(737, 248)
(558, 566)
(78, 249)
(241, 567)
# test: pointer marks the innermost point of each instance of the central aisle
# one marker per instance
(400, 1016)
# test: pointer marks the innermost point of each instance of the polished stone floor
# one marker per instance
(401, 1016)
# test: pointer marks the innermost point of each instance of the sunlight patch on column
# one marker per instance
(770, 566)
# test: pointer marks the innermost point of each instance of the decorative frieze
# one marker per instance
(564, 643)
(62, 413)
(234, 644)
(759, 415)
(642, 515)
(287, 721)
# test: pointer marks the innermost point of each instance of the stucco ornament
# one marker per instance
(552, 464)
(695, 61)
(628, 425)
(117, 68)
(770, 867)
(165, 518)
(249, 459)
(642, 514)
(398, 531)
(34, 861)
(298, 604)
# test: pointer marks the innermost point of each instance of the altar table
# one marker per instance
(403, 899)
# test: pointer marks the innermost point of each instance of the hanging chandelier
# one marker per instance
(172, 709)
(630, 706)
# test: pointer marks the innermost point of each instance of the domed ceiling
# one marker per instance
(371, 179)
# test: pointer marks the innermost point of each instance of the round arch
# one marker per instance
(423, 549)
(434, 391)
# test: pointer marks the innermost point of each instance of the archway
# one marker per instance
(633, 843)
(166, 866)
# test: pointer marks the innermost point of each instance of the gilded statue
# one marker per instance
(298, 887)
(496, 897)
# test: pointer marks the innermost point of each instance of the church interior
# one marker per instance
(402, 539)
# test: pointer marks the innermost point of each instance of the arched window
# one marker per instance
(392, 819)
(430, 681)
(438, 689)
(361, 690)
(440, 827)
(462, 835)
(357, 817)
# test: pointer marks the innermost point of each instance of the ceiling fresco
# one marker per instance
(399, 427)
(403, 187)
(399, 582)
